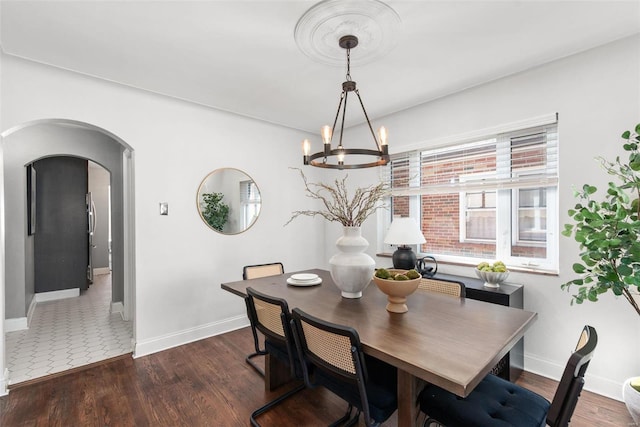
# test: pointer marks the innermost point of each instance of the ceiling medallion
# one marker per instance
(373, 22)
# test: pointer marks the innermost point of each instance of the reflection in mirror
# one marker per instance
(229, 201)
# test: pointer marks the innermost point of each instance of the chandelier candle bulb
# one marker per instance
(326, 133)
(306, 151)
(382, 133)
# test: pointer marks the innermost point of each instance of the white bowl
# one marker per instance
(492, 279)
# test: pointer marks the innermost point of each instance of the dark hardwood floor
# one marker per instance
(207, 383)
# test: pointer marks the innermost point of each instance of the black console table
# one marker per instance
(511, 365)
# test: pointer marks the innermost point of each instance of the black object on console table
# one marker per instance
(511, 295)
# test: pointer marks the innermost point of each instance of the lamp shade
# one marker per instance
(404, 231)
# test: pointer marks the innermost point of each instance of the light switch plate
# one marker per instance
(164, 208)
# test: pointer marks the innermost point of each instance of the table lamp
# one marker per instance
(403, 232)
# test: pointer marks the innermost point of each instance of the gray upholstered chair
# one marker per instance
(254, 272)
(496, 402)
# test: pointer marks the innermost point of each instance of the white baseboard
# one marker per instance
(186, 336)
(55, 295)
(117, 307)
(593, 383)
(101, 270)
(4, 383)
(16, 324)
(32, 309)
(20, 323)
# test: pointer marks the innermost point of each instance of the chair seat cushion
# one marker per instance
(381, 388)
(494, 402)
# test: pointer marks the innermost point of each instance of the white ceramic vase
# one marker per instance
(351, 268)
(631, 398)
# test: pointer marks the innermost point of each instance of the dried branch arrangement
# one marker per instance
(338, 206)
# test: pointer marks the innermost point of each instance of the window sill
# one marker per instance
(463, 264)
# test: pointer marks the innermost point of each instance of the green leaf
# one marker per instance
(626, 134)
(634, 161)
(637, 129)
(617, 289)
(615, 242)
(589, 189)
(594, 256)
(625, 270)
(578, 268)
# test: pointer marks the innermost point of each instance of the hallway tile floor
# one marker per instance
(68, 333)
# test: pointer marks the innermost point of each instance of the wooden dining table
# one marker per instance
(447, 341)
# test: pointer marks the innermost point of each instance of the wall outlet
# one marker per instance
(164, 208)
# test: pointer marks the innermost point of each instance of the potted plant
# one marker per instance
(608, 232)
(351, 268)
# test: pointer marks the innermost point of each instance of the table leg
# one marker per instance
(408, 389)
(276, 373)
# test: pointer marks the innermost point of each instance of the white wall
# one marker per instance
(180, 262)
(597, 96)
(3, 355)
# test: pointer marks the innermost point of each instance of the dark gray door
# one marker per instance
(61, 238)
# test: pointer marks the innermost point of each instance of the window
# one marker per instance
(249, 203)
(485, 198)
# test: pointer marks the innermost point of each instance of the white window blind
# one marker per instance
(248, 192)
(491, 163)
(249, 202)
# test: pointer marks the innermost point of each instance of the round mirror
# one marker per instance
(228, 201)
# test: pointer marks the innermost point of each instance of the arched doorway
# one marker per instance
(22, 145)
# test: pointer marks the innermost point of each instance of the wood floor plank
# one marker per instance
(208, 383)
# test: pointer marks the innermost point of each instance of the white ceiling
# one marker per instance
(241, 56)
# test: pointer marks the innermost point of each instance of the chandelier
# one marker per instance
(327, 132)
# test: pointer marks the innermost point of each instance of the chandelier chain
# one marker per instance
(348, 77)
(344, 113)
